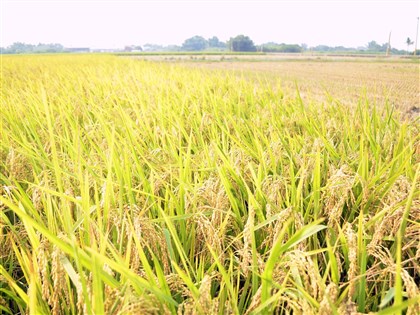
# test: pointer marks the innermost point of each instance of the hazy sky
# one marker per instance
(114, 24)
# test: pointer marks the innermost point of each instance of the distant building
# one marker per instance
(133, 48)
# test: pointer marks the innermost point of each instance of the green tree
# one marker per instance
(374, 46)
(409, 42)
(241, 43)
(195, 43)
(214, 42)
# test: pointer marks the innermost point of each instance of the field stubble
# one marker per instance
(347, 80)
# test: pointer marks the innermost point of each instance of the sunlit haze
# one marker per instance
(114, 24)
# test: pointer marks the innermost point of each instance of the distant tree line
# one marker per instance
(195, 43)
(372, 47)
(22, 48)
(240, 43)
(281, 48)
(199, 43)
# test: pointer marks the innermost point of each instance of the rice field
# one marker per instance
(140, 187)
(347, 79)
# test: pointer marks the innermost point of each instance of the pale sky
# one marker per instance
(114, 24)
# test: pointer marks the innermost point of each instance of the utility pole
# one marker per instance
(388, 49)
(417, 36)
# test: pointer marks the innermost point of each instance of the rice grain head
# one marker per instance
(43, 259)
(246, 252)
(391, 222)
(413, 291)
(329, 299)
(150, 236)
(338, 191)
(19, 166)
(352, 256)
(60, 290)
(205, 300)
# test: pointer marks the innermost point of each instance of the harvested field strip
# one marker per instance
(345, 80)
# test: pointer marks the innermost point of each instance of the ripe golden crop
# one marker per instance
(136, 187)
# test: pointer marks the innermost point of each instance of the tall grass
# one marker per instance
(130, 187)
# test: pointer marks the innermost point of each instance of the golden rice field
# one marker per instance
(140, 187)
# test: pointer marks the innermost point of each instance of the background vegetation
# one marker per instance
(240, 43)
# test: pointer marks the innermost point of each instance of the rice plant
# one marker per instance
(133, 187)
